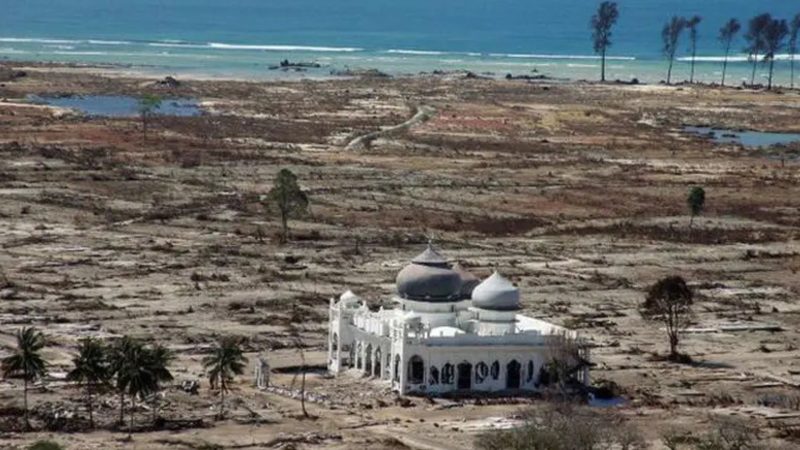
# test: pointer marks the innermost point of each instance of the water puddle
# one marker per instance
(750, 139)
(118, 105)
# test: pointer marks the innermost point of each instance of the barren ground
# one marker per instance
(575, 191)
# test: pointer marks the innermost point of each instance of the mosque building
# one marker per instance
(449, 332)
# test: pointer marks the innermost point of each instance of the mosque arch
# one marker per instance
(530, 372)
(513, 375)
(481, 372)
(416, 370)
(378, 362)
(464, 376)
(495, 370)
(448, 374)
(434, 376)
(368, 359)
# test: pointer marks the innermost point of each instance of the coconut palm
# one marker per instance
(755, 40)
(159, 357)
(670, 35)
(225, 361)
(90, 368)
(793, 34)
(138, 377)
(691, 25)
(118, 357)
(774, 35)
(726, 35)
(26, 362)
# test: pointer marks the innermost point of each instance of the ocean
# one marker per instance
(244, 38)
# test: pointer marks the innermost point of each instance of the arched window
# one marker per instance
(359, 359)
(448, 374)
(335, 344)
(434, 376)
(416, 370)
(397, 364)
(529, 378)
(378, 362)
(495, 370)
(481, 372)
(368, 359)
(513, 375)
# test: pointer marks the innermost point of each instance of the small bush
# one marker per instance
(46, 445)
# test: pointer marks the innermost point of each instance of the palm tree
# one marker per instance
(691, 24)
(26, 361)
(118, 359)
(726, 35)
(225, 361)
(774, 35)
(670, 35)
(138, 377)
(90, 368)
(795, 29)
(755, 39)
(159, 357)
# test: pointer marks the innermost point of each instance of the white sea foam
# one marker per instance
(545, 56)
(103, 42)
(283, 48)
(734, 58)
(415, 52)
(38, 40)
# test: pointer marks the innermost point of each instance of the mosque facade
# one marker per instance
(449, 332)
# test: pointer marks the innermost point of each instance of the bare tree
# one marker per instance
(774, 35)
(565, 426)
(295, 332)
(755, 40)
(726, 35)
(669, 301)
(601, 24)
(692, 24)
(670, 35)
(148, 105)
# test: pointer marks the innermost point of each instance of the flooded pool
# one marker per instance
(118, 105)
(750, 139)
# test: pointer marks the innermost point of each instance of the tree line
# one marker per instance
(765, 37)
(125, 366)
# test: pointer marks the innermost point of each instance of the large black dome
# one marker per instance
(429, 278)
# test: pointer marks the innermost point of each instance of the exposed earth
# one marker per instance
(577, 192)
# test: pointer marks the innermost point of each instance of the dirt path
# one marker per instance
(423, 114)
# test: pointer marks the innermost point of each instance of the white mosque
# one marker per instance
(449, 332)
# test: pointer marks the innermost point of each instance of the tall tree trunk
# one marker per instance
(25, 401)
(303, 385)
(771, 68)
(603, 66)
(791, 77)
(130, 415)
(121, 420)
(669, 71)
(725, 63)
(691, 221)
(755, 64)
(694, 55)
(89, 404)
(285, 227)
(221, 401)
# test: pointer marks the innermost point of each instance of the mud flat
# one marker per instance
(576, 190)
